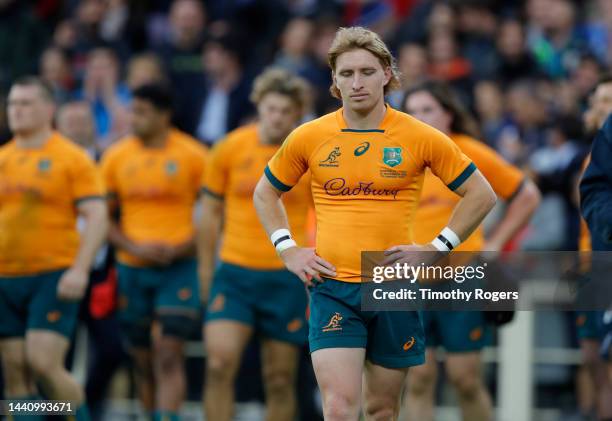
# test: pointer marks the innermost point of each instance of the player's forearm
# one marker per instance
(92, 237)
(208, 233)
(270, 208)
(517, 215)
(207, 241)
(469, 212)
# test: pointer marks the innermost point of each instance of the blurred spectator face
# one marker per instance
(412, 62)
(54, 67)
(75, 121)
(65, 35)
(187, 21)
(526, 109)
(296, 37)
(360, 78)
(537, 11)
(90, 12)
(324, 37)
(489, 100)
(278, 115)
(559, 16)
(442, 18)
(442, 46)
(217, 60)
(424, 107)
(600, 107)
(102, 67)
(586, 76)
(28, 109)
(147, 120)
(511, 40)
(143, 70)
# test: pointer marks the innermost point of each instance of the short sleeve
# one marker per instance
(505, 178)
(446, 160)
(289, 163)
(85, 180)
(216, 171)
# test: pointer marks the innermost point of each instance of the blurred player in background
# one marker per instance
(75, 121)
(590, 324)
(251, 291)
(463, 334)
(367, 163)
(46, 182)
(153, 179)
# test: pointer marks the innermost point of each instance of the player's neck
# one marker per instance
(368, 119)
(33, 140)
(158, 140)
(264, 139)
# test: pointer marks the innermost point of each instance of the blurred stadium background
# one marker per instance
(525, 68)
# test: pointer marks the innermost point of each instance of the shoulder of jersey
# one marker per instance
(123, 145)
(319, 128)
(405, 123)
(69, 147)
(187, 141)
(238, 136)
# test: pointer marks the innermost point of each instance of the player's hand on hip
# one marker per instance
(72, 284)
(305, 263)
(412, 255)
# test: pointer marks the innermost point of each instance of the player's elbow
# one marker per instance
(264, 192)
(529, 197)
(487, 197)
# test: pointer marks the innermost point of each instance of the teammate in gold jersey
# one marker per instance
(46, 183)
(153, 179)
(463, 334)
(367, 163)
(252, 292)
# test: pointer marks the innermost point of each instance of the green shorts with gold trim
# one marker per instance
(392, 339)
(31, 302)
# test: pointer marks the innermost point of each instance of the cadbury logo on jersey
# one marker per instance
(338, 187)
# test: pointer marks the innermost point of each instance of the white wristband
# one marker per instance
(446, 240)
(284, 245)
(279, 233)
(440, 246)
(281, 240)
(450, 235)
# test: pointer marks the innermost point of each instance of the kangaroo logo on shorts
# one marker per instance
(184, 294)
(392, 156)
(54, 316)
(334, 323)
(218, 303)
(476, 334)
(294, 325)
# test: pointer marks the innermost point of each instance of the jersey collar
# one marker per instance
(385, 124)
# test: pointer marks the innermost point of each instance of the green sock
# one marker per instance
(29, 417)
(165, 416)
